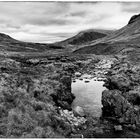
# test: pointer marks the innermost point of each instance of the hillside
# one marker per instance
(84, 37)
(124, 40)
(7, 43)
(12, 45)
(102, 42)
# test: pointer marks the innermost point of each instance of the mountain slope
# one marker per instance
(7, 43)
(124, 40)
(84, 37)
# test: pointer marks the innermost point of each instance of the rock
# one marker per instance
(87, 81)
(118, 128)
(131, 127)
(78, 111)
(58, 65)
(66, 111)
(119, 82)
(81, 79)
(98, 131)
(76, 136)
(84, 126)
(33, 61)
(38, 132)
(110, 102)
(78, 74)
(100, 79)
(133, 96)
(134, 19)
(116, 106)
(132, 134)
(64, 104)
(121, 120)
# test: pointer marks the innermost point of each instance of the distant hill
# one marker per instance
(84, 37)
(7, 43)
(10, 44)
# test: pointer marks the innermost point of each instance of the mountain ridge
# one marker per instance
(8, 43)
(84, 36)
(126, 38)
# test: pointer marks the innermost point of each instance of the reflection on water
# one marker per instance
(88, 95)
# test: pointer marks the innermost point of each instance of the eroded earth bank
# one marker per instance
(36, 97)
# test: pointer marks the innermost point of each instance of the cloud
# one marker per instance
(53, 21)
(131, 7)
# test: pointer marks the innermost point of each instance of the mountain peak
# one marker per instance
(5, 36)
(134, 19)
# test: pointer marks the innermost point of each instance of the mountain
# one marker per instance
(123, 41)
(7, 43)
(10, 44)
(84, 37)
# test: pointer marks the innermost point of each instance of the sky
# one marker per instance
(48, 22)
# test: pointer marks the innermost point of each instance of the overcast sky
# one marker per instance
(54, 21)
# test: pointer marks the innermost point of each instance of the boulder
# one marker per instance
(76, 136)
(87, 81)
(116, 106)
(119, 82)
(111, 101)
(81, 79)
(133, 96)
(131, 127)
(118, 128)
(78, 111)
(66, 111)
(78, 74)
(98, 131)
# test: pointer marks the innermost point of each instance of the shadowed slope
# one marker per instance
(83, 37)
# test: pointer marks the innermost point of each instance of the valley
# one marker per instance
(84, 87)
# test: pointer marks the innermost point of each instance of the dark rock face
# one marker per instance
(134, 18)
